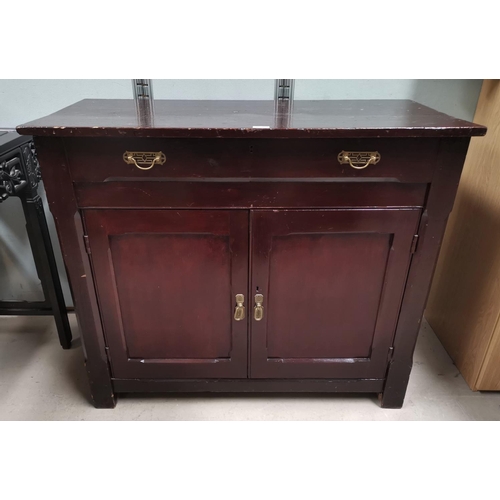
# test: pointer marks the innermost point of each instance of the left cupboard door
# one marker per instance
(167, 282)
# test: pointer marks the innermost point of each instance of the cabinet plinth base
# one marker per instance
(249, 385)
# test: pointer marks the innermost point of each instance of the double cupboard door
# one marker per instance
(190, 294)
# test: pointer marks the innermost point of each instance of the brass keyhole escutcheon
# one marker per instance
(239, 310)
(258, 310)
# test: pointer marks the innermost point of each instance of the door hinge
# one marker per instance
(390, 354)
(414, 243)
(87, 243)
(106, 350)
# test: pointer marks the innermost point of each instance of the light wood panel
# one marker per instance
(464, 301)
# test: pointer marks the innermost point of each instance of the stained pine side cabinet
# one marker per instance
(219, 247)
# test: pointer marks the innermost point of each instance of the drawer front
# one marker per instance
(102, 159)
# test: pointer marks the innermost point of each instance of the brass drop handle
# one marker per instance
(358, 159)
(369, 162)
(148, 159)
(258, 310)
(239, 310)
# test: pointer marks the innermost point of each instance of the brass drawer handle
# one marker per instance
(147, 159)
(239, 310)
(258, 310)
(359, 159)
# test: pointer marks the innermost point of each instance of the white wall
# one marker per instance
(25, 100)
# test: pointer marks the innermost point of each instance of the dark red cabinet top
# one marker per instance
(242, 119)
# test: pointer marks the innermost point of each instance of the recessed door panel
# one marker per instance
(332, 275)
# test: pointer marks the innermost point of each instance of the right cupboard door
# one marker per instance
(326, 288)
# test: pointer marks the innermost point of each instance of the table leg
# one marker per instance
(43, 254)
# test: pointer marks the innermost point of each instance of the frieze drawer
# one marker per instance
(119, 160)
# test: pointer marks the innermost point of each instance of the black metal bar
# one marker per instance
(23, 304)
(26, 312)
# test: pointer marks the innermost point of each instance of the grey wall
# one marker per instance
(454, 97)
(25, 100)
(214, 89)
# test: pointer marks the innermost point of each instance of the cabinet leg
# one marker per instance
(101, 392)
(395, 387)
(392, 403)
(103, 400)
(392, 399)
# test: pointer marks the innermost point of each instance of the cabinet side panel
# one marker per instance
(431, 229)
(70, 230)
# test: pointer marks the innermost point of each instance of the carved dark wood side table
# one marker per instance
(20, 176)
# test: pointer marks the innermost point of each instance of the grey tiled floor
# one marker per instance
(40, 381)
